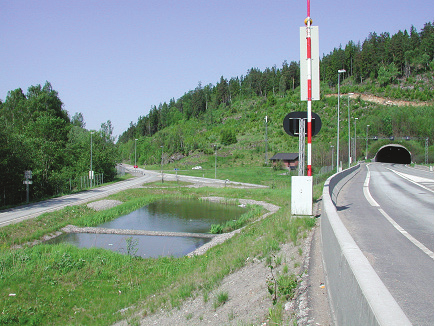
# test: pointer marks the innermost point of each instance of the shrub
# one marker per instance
(228, 137)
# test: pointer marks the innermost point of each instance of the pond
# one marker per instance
(175, 215)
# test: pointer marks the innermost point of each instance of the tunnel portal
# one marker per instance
(393, 153)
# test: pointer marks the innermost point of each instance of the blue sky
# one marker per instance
(113, 60)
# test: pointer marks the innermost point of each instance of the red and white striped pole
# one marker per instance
(308, 22)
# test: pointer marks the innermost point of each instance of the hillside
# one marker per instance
(37, 134)
(190, 143)
(391, 78)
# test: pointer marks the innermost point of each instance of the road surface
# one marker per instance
(24, 212)
(33, 210)
(389, 211)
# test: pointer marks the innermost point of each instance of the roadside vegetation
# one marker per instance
(226, 122)
(218, 126)
(38, 134)
(62, 284)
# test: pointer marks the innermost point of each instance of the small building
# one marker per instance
(290, 160)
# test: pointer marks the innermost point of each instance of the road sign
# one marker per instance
(305, 61)
(291, 123)
(28, 174)
(27, 182)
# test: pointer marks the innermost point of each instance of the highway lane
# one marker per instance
(389, 211)
(35, 209)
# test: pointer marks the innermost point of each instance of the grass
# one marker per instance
(220, 300)
(62, 284)
(254, 213)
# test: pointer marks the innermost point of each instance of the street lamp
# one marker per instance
(215, 156)
(367, 141)
(265, 161)
(91, 173)
(332, 158)
(338, 120)
(348, 125)
(162, 163)
(135, 165)
(355, 141)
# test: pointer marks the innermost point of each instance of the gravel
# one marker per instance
(104, 204)
(225, 236)
(249, 301)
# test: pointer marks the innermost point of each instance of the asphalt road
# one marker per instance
(33, 210)
(24, 212)
(389, 211)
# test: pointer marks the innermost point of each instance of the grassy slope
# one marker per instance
(246, 118)
(65, 285)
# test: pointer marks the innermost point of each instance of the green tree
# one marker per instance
(78, 120)
(387, 74)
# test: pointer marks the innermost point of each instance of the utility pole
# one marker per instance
(309, 97)
(354, 148)
(302, 186)
(426, 152)
(338, 121)
(332, 158)
(91, 172)
(265, 160)
(367, 142)
(135, 140)
(162, 163)
(348, 124)
(215, 158)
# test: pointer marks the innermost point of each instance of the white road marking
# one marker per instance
(414, 179)
(389, 219)
(367, 191)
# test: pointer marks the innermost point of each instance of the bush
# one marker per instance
(228, 137)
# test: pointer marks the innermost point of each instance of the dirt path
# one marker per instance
(384, 101)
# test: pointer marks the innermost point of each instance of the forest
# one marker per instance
(378, 61)
(38, 134)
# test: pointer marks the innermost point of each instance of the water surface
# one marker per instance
(175, 215)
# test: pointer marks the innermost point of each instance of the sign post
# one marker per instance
(302, 186)
(27, 182)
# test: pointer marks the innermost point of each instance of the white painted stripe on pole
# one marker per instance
(309, 154)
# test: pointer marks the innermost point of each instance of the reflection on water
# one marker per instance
(178, 215)
(147, 246)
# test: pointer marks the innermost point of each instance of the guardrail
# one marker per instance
(356, 293)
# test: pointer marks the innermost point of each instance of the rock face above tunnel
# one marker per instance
(393, 153)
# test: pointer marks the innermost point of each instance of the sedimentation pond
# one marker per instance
(174, 215)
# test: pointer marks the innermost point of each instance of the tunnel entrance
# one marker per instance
(393, 153)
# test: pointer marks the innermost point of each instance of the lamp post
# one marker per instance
(265, 160)
(91, 173)
(338, 120)
(215, 157)
(348, 125)
(355, 141)
(332, 158)
(367, 141)
(135, 165)
(161, 164)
